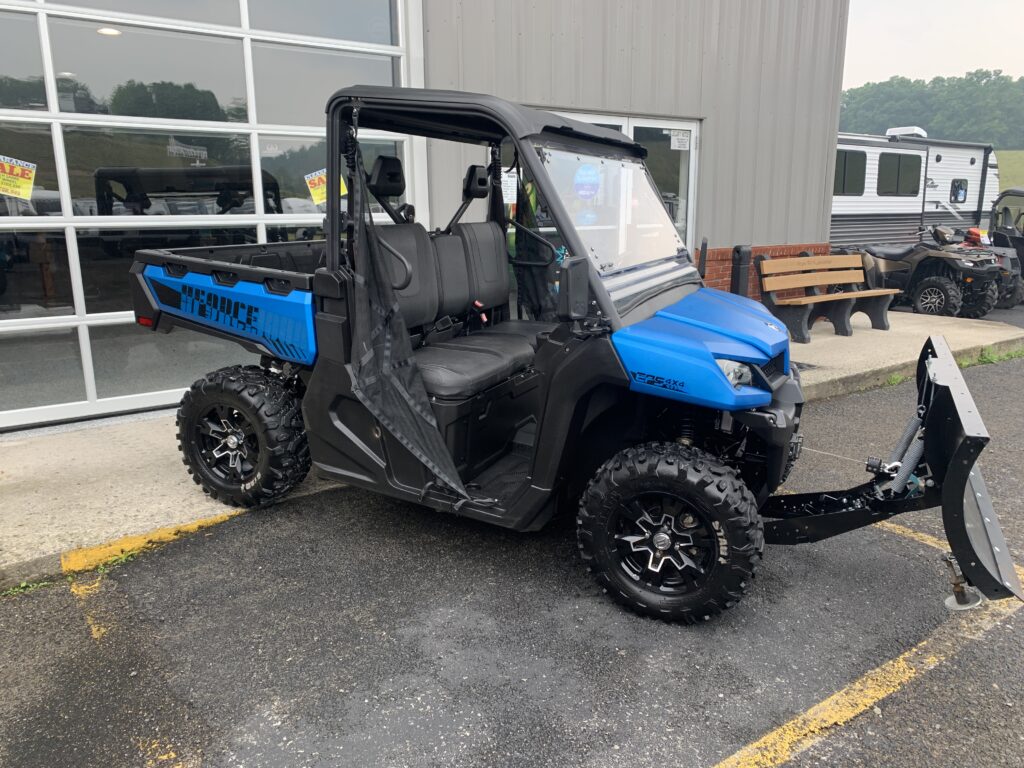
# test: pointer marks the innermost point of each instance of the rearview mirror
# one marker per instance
(573, 288)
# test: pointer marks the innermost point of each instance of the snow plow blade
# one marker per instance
(932, 465)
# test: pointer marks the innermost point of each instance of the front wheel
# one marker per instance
(937, 296)
(978, 303)
(671, 532)
(1010, 296)
(241, 436)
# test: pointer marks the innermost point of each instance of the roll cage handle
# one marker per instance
(544, 241)
(404, 282)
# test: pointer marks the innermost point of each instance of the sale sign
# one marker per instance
(316, 182)
(16, 177)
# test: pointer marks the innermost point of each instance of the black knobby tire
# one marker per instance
(937, 296)
(1012, 294)
(264, 415)
(656, 478)
(977, 304)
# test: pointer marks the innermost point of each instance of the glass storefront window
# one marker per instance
(209, 11)
(29, 146)
(287, 160)
(34, 277)
(41, 367)
(130, 360)
(293, 83)
(21, 66)
(106, 256)
(129, 172)
(369, 21)
(124, 70)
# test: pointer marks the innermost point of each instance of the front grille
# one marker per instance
(775, 367)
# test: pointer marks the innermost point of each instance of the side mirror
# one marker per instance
(573, 288)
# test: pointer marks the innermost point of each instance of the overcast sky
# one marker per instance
(922, 39)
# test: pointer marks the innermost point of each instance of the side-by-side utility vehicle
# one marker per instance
(561, 354)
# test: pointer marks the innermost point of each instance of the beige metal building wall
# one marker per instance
(762, 76)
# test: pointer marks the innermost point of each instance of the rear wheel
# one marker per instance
(979, 303)
(670, 532)
(937, 296)
(241, 436)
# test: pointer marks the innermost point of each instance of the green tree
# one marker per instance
(984, 106)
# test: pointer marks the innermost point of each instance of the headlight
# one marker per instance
(966, 263)
(738, 374)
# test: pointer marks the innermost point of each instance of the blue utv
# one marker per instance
(556, 350)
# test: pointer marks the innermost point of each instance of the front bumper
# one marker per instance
(778, 426)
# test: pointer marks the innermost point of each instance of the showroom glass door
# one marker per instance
(670, 148)
(671, 156)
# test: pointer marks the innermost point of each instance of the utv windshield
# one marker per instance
(615, 208)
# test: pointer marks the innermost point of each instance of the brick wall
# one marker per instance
(719, 264)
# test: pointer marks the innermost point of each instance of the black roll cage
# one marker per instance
(485, 125)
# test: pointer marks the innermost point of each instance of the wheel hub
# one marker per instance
(226, 447)
(664, 540)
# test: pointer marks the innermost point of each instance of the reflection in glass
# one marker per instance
(294, 233)
(147, 73)
(130, 172)
(293, 84)
(40, 368)
(34, 277)
(106, 256)
(369, 21)
(31, 143)
(128, 359)
(21, 67)
(209, 11)
(288, 159)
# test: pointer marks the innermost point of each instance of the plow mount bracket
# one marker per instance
(932, 465)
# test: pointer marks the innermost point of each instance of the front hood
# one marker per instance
(731, 317)
(673, 354)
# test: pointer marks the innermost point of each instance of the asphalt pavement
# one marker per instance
(342, 628)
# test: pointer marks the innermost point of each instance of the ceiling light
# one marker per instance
(109, 31)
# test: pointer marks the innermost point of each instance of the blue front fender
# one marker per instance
(673, 353)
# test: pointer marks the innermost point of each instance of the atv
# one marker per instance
(939, 279)
(973, 243)
(561, 355)
(1006, 233)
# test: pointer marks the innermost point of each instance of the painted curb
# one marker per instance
(56, 566)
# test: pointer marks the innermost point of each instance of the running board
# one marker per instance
(932, 465)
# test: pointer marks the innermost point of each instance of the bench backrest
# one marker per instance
(810, 271)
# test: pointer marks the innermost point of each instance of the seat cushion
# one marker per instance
(527, 329)
(894, 253)
(466, 365)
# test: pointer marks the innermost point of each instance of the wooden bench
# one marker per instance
(833, 288)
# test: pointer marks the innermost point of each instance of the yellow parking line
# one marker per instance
(783, 743)
(88, 558)
(789, 739)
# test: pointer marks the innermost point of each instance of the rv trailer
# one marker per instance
(887, 188)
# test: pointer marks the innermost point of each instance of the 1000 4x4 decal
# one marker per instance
(657, 381)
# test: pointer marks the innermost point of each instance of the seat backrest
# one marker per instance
(453, 275)
(418, 300)
(810, 271)
(486, 262)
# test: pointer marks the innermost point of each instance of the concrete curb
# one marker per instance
(56, 566)
(878, 377)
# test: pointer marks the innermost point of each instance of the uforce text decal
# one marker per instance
(220, 309)
(657, 381)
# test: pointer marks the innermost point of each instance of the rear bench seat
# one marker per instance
(460, 366)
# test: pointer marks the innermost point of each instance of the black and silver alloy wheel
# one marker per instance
(932, 301)
(241, 435)
(665, 543)
(670, 531)
(937, 296)
(228, 443)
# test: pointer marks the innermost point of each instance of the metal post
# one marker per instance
(740, 270)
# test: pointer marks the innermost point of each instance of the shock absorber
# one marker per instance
(687, 431)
